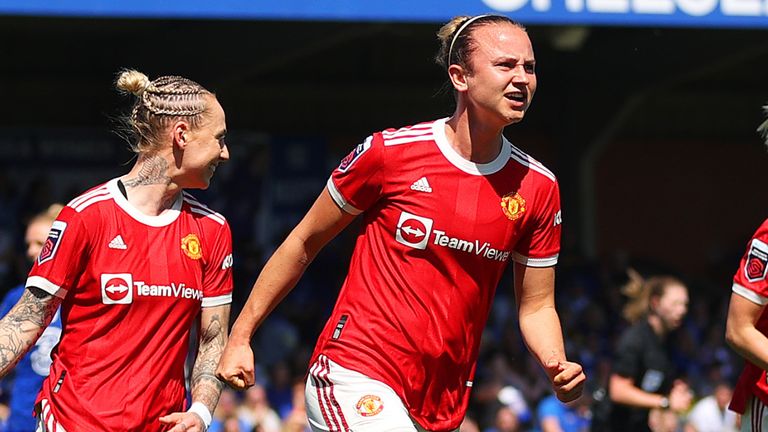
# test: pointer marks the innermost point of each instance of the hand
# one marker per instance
(184, 422)
(236, 366)
(680, 397)
(567, 379)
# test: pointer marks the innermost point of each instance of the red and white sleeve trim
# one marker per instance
(217, 301)
(535, 262)
(750, 295)
(46, 285)
(339, 199)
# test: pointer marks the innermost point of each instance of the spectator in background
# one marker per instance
(279, 388)
(555, 416)
(711, 414)
(513, 398)
(643, 376)
(32, 369)
(233, 424)
(400, 348)
(747, 326)
(296, 420)
(663, 420)
(505, 420)
(226, 410)
(256, 411)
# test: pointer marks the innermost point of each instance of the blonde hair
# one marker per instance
(640, 291)
(456, 46)
(48, 215)
(160, 103)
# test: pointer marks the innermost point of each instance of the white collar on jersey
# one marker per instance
(469, 167)
(163, 219)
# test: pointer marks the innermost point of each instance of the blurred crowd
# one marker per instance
(511, 392)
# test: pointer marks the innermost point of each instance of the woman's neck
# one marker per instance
(657, 325)
(471, 139)
(149, 187)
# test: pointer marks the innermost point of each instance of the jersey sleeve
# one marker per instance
(64, 255)
(357, 182)
(540, 245)
(749, 280)
(217, 274)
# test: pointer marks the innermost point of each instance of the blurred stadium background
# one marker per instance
(646, 111)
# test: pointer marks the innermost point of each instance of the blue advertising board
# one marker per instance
(687, 13)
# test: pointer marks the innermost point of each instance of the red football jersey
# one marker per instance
(750, 283)
(438, 232)
(132, 288)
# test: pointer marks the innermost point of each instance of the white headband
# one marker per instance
(456, 35)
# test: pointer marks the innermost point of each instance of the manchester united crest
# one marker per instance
(369, 405)
(191, 246)
(513, 205)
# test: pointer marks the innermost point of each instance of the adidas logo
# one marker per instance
(118, 243)
(421, 185)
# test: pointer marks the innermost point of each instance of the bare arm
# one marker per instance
(539, 322)
(741, 333)
(281, 273)
(624, 391)
(23, 325)
(540, 327)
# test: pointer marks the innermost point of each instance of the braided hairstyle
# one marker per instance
(159, 104)
(457, 48)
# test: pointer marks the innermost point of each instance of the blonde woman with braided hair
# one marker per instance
(134, 264)
(446, 206)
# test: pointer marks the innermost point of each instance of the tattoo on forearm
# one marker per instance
(154, 170)
(206, 388)
(23, 324)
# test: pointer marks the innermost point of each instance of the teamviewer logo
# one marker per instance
(116, 288)
(413, 230)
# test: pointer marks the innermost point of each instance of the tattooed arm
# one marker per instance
(206, 388)
(23, 324)
(214, 323)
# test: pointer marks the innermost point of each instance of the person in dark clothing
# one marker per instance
(643, 376)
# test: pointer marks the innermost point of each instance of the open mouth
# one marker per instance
(518, 97)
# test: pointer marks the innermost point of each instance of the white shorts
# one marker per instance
(341, 400)
(755, 418)
(45, 420)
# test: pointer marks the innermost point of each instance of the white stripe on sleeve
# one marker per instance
(750, 295)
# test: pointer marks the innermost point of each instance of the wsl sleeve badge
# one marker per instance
(51, 244)
(757, 261)
(355, 154)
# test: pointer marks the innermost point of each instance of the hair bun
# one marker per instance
(132, 81)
